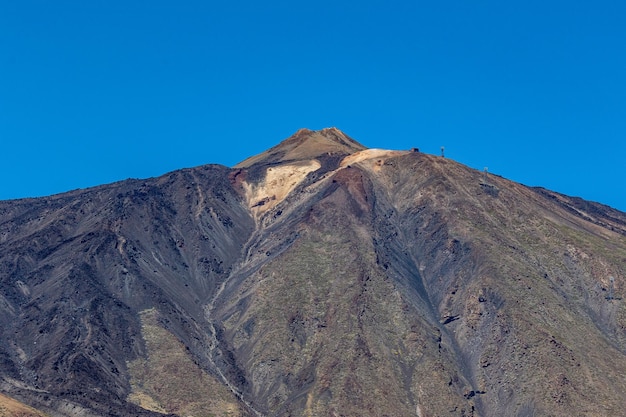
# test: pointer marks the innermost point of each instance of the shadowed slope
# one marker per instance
(76, 270)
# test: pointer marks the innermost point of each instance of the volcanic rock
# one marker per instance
(316, 278)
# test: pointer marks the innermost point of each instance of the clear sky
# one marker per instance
(97, 91)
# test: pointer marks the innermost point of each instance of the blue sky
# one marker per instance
(95, 91)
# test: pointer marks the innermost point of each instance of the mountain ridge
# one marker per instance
(360, 282)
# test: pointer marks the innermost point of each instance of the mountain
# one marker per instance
(318, 278)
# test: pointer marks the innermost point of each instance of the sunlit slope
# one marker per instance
(408, 263)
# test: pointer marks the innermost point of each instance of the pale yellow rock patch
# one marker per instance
(145, 401)
(279, 181)
(375, 156)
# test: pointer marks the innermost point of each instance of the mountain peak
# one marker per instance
(307, 144)
(320, 278)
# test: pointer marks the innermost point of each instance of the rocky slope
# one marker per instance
(317, 278)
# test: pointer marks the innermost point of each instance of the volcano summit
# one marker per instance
(318, 278)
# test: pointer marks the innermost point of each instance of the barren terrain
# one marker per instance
(316, 278)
